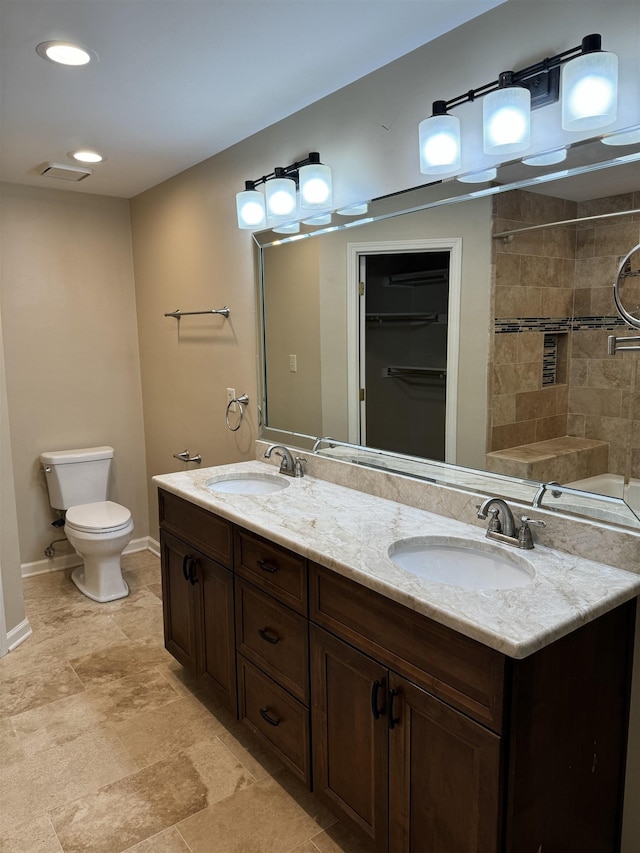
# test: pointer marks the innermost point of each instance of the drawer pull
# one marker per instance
(192, 571)
(185, 560)
(267, 567)
(264, 713)
(375, 690)
(269, 636)
(393, 721)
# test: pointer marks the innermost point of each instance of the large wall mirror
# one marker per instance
(459, 333)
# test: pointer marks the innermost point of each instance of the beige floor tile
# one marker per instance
(45, 781)
(124, 813)
(305, 847)
(169, 841)
(338, 839)
(182, 681)
(140, 560)
(10, 748)
(155, 588)
(33, 836)
(67, 719)
(272, 816)
(160, 733)
(142, 617)
(40, 591)
(118, 661)
(258, 761)
(37, 687)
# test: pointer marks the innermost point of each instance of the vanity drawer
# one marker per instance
(456, 669)
(201, 528)
(280, 572)
(273, 714)
(274, 638)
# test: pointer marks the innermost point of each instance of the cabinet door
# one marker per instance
(181, 627)
(350, 753)
(215, 599)
(444, 777)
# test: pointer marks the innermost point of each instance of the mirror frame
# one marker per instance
(583, 157)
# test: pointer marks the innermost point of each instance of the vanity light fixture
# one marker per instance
(354, 209)
(320, 219)
(290, 192)
(291, 228)
(65, 53)
(589, 100)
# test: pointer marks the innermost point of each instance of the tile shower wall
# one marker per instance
(602, 389)
(533, 295)
(558, 282)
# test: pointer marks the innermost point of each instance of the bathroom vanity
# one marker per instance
(429, 717)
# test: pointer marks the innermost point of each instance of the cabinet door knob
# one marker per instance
(264, 713)
(375, 690)
(185, 561)
(269, 636)
(267, 567)
(393, 721)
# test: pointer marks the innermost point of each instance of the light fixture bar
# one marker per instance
(530, 77)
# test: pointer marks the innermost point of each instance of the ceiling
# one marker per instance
(177, 81)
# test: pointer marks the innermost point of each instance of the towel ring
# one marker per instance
(242, 401)
(625, 271)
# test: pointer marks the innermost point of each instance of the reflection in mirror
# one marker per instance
(535, 399)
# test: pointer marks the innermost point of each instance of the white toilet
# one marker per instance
(98, 529)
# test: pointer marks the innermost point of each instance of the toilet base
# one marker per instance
(97, 587)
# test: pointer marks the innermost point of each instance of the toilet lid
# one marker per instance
(103, 515)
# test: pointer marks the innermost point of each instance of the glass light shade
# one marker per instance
(315, 187)
(624, 137)
(549, 158)
(590, 91)
(439, 139)
(320, 219)
(479, 177)
(506, 120)
(281, 199)
(354, 209)
(291, 228)
(251, 210)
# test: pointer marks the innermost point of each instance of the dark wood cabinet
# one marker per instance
(350, 754)
(199, 624)
(422, 739)
(444, 776)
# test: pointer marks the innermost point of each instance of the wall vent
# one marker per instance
(64, 172)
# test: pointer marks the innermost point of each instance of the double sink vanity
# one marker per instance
(438, 690)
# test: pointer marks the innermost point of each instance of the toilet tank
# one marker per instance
(77, 477)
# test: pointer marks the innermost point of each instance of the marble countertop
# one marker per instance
(350, 532)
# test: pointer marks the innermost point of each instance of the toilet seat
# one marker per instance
(99, 517)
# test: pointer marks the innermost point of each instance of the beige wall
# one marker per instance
(71, 349)
(10, 577)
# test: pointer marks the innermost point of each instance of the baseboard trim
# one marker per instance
(19, 634)
(70, 561)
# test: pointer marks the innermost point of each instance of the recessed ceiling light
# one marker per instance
(65, 53)
(86, 156)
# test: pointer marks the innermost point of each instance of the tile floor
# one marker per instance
(107, 744)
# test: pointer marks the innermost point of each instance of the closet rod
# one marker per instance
(506, 234)
(178, 313)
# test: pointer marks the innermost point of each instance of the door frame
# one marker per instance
(355, 251)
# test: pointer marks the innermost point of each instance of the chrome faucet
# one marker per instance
(288, 466)
(502, 525)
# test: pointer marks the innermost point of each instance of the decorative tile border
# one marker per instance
(513, 325)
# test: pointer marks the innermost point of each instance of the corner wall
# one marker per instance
(71, 349)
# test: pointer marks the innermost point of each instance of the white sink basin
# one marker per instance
(247, 484)
(459, 562)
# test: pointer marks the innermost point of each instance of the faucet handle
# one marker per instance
(527, 521)
(299, 462)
